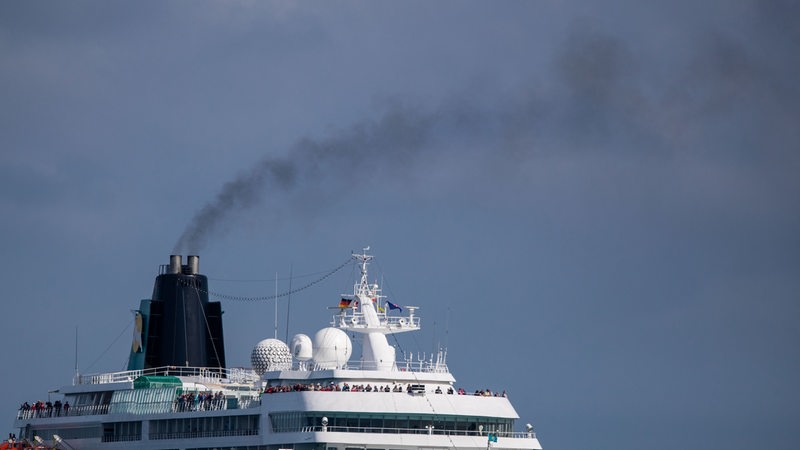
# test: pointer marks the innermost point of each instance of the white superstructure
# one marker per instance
(311, 394)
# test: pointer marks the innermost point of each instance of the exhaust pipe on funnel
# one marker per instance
(175, 263)
(193, 261)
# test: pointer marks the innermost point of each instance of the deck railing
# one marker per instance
(122, 438)
(207, 374)
(431, 430)
(242, 375)
(404, 366)
(214, 405)
(203, 434)
(88, 410)
(400, 366)
(177, 406)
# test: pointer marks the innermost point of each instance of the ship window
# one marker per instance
(388, 423)
(401, 422)
(244, 447)
(204, 427)
(122, 431)
(93, 431)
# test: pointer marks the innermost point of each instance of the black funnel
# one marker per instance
(181, 327)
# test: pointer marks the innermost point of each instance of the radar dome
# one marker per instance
(270, 354)
(301, 347)
(332, 348)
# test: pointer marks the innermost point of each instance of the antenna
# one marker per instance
(276, 305)
(288, 303)
(435, 341)
(446, 326)
(76, 354)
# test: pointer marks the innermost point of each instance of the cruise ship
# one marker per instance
(312, 393)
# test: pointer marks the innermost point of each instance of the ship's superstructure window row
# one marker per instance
(195, 427)
(85, 432)
(143, 401)
(122, 431)
(91, 398)
(389, 423)
(319, 446)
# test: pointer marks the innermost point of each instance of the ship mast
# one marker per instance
(368, 316)
(363, 285)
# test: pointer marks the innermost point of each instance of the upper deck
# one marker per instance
(201, 374)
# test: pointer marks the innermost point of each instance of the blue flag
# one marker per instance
(492, 437)
(393, 306)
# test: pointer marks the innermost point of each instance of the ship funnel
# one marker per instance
(178, 325)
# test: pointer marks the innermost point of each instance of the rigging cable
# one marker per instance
(107, 348)
(427, 400)
(282, 294)
(422, 362)
(208, 327)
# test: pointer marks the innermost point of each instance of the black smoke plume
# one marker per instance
(601, 96)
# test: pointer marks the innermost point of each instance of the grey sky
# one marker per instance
(595, 206)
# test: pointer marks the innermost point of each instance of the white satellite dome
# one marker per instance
(301, 347)
(270, 354)
(332, 348)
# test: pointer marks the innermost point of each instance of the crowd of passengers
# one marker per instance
(377, 388)
(45, 409)
(200, 401)
(209, 401)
